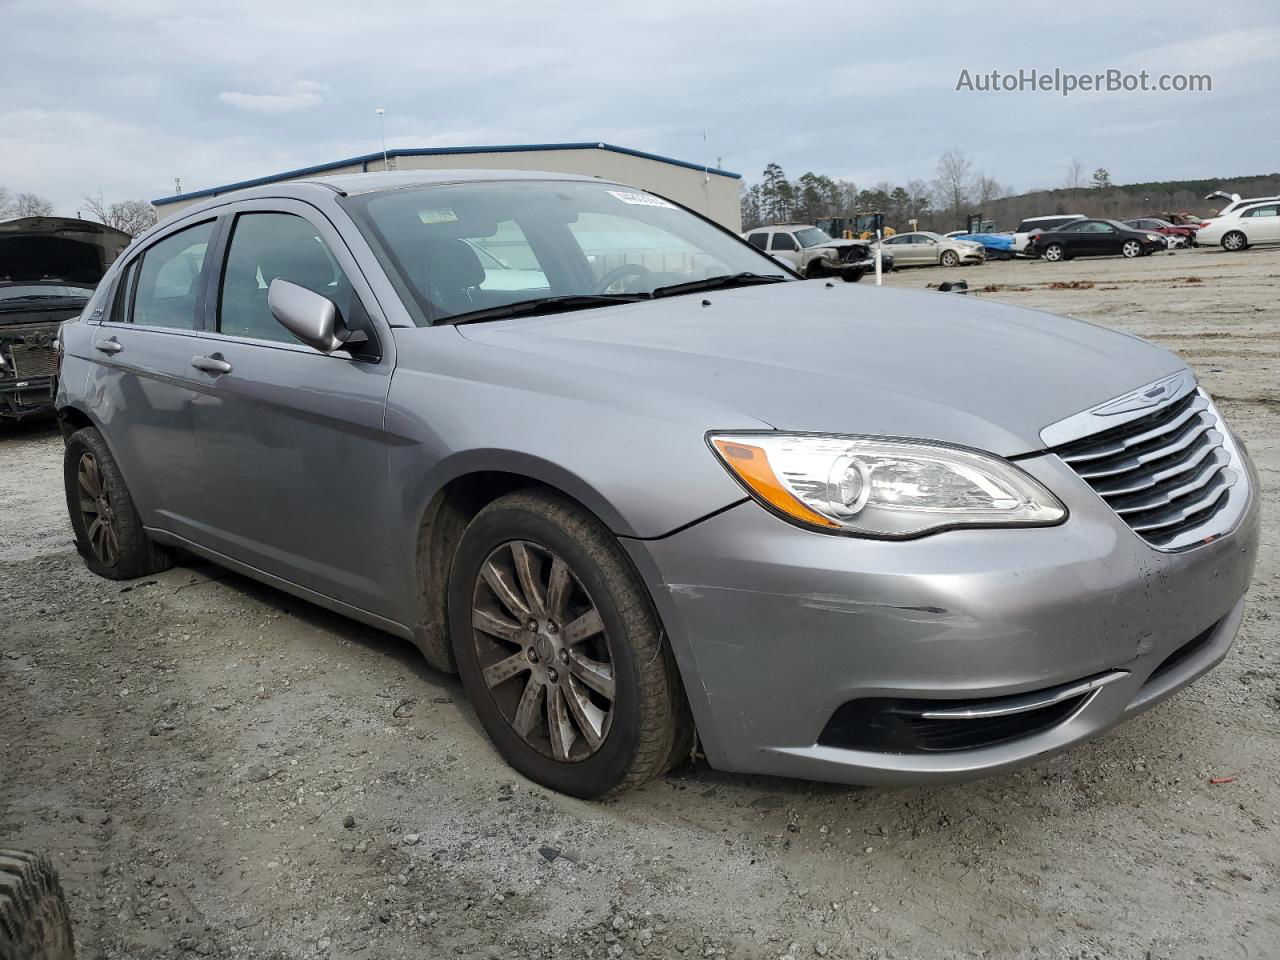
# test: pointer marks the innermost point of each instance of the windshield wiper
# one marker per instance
(716, 283)
(560, 304)
(42, 296)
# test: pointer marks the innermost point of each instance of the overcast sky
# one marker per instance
(126, 95)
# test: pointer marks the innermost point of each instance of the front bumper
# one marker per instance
(31, 397)
(776, 628)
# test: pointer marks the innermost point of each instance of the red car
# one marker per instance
(1154, 225)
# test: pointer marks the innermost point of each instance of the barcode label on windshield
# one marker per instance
(641, 199)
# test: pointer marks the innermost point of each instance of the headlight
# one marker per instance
(1153, 236)
(883, 488)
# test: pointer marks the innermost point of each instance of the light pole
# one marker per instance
(382, 123)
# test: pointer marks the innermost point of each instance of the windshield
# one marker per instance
(457, 249)
(21, 290)
(812, 237)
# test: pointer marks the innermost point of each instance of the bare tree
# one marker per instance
(985, 190)
(131, 216)
(6, 203)
(30, 205)
(954, 181)
(1076, 177)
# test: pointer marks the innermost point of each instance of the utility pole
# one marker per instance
(382, 122)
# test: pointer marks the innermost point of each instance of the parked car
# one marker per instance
(1235, 202)
(1034, 225)
(864, 535)
(48, 269)
(1259, 223)
(995, 246)
(1093, 238)
(814, 253)
(1177, 235)
(923, 248)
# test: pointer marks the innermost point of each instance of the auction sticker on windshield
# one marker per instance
(641, 199)
(440, 215)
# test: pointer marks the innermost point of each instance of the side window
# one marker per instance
(1263, 211)
(783, 241)
(168, 280)
(270, 246)
(758, 240)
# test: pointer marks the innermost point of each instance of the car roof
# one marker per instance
(353, 184)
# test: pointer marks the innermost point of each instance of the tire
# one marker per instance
(852, 274)
(1235, 241)
(108, 530)
(643, 729)
(815, 270)
(34, 921)
(1131, 249)
(950, 258)
(1054, 253)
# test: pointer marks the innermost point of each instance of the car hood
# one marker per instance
(58, 248)
(808, 356)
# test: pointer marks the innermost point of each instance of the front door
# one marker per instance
(292, 440)
(142, 385)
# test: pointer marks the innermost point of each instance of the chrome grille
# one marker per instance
(1165, 473)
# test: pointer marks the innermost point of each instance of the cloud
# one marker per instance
(304, 95)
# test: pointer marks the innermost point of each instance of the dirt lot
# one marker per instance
(220, 770)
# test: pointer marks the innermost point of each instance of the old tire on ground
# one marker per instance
(950, 258)
(107, 527)
(560, 650)
(1055, 252)
(1235, 240)
(34, 921)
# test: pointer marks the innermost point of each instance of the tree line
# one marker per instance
(130, 216)
(957, 190)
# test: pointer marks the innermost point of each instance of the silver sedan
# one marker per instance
(643, 487)
(923, 248)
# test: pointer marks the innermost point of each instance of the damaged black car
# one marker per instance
(49, 267)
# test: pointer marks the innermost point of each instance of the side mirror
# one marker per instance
(311, 318)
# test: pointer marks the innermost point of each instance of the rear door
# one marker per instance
(141, 387)
(294, 453)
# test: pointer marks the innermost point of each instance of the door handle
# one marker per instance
(214, 364)
(111, 346)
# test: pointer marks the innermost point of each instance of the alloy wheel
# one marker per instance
(1131, 248)
(543, 651)
(1053, 253)
(1233, 241)
(96, 510)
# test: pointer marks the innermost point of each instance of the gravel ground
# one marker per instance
(221, 770)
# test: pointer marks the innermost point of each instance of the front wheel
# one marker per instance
(1055, 252)
(560, 651)
(950, 258)
(1233, 241)
(108, 530)
(1131, 249)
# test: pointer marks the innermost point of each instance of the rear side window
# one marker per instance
(168, 279)
(1270, 211)
(783, 241)
(270, 246)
